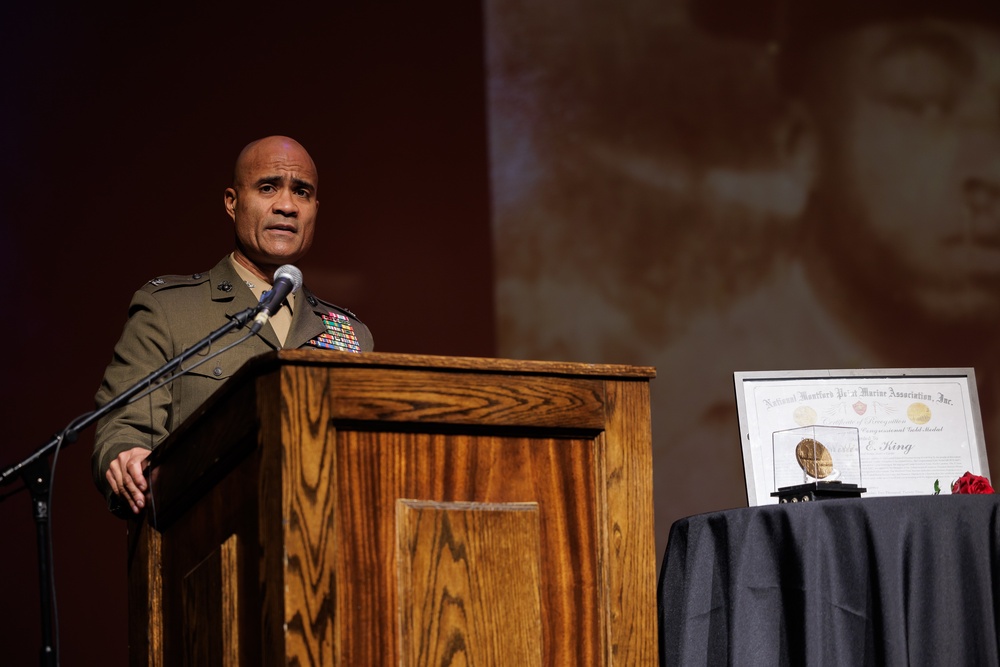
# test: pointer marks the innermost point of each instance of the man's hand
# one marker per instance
(126, 478)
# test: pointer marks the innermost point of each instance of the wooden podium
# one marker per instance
(328, 508)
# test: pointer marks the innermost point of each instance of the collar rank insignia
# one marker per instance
(339, 334)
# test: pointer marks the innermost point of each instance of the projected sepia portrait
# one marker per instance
(717, 186)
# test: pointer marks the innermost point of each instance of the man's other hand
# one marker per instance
(126, 478)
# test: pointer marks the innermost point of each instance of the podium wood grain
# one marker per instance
(378, 509)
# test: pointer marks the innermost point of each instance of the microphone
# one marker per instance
(287, 279)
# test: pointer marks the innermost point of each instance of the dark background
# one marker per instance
(120, 129)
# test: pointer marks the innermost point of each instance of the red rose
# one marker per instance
(969, 483)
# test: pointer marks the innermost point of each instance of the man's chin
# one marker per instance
(279, 257)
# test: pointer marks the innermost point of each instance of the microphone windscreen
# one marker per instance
(291, 273)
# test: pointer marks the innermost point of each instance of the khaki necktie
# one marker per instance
(280, 321)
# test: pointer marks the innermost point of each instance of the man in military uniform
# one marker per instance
(273, 202)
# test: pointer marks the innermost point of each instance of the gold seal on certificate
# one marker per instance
(918, 413)
(804, 415)
(814, 458)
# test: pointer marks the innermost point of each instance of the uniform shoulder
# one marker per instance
(320, 304)
(171, 281)
(327, 305)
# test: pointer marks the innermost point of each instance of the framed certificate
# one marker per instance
(914, 426)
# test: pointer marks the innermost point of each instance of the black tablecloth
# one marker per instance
(869, 581)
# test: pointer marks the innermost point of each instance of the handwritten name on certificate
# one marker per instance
(911, 431)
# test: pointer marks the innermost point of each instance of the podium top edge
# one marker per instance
(446, 363)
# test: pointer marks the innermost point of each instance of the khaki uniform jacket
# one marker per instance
(169, 315)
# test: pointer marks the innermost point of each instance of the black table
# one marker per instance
(868, 581)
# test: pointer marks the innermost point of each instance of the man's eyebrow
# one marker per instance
(267, 180)
(302, 183)
(278, 179)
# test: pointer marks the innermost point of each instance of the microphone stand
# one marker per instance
(36, 473)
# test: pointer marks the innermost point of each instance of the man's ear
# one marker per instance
(230, 202)
(797, 142)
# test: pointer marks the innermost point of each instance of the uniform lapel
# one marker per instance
(228, 286)
(306, 324)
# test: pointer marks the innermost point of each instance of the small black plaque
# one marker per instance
(804, 493)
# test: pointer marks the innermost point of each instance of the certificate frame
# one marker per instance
(767, 399)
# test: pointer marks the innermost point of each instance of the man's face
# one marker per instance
(909, 162)
(273, 203)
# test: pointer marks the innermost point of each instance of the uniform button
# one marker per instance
(217, 372)
(196, 276)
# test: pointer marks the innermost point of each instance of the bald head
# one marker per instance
(267, 146)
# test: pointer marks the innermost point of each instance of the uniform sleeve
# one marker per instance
(145, 345)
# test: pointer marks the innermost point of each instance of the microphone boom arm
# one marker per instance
(36, 476)
(69, 434)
